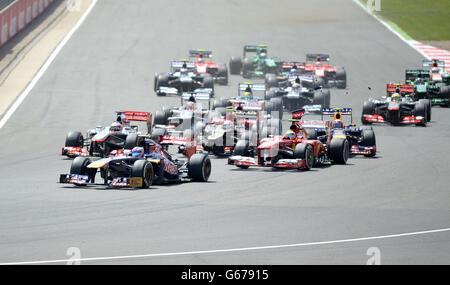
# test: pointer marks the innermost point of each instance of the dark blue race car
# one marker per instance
(150, 163)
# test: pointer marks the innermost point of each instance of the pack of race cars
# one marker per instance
(174, 143)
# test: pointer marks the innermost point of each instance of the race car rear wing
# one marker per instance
(436, 62)
(252, 86)
(288, 65)
(317, 57)
(177, 64)
(197, 52)
(404, 89)
(203, 94)
(255, 48)
(298, 114)
(413, 74)
(137, 116)
(338, 112)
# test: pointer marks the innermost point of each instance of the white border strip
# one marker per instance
(44, 67)
(408, 42)
(228, 250)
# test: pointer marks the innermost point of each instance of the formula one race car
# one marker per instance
(291, 70)
(437, 71)
(257, 64)
(203, 65)
(296, 96)
(222, 133)
(187, 119)
(140, 167)
(361, 139)
(100, 141)
(332, 76)
(426, 88)
(397, 108)
(247, 101)
(181, 78)
(294, 150)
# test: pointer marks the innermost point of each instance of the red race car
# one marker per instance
(293, 150)
(318, 64)
(204, 64)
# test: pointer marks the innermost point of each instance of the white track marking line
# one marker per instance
(44, 67)
(229, 250)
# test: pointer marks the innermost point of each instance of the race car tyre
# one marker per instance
(247, 68)
(312, 134)
(368, 139)
(420, 109)
(217, 103)
(226, 103)
(157, 134)
(167, 112)
(271, 80)
(427, 103)
(131, 141)
(79, 166)
(271, 94)
(74, 139)
(235, 65)
(162, 80)
(269, 107)
(444, 93)
(241, 148)
(155, 81)
(339, 150)
(305, 151)
(222, 73)
(199, 167)
(278, 105)
(144, 170)
(160, 118)
(341, 77)
(208, 81)
(368, 109)
(322, 97)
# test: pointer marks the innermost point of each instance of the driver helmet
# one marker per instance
(419, 80)
(192, 99)
(262, 55)
(290, 135)
(396, 97)
(137, 152)
(248, 94)
(190, 105)
(293, 71)
(115, 127)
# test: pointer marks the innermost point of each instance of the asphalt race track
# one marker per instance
(109, 65)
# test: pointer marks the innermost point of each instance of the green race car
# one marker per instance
(425, 88)
(254, 62)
